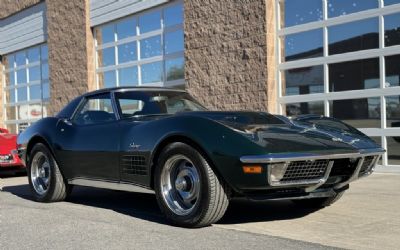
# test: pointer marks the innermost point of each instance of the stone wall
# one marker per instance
(10, 7)
(226, 53)
(70, 43)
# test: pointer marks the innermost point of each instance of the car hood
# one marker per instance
(280, 134)
(7, 143)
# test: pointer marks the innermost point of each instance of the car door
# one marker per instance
(133, 157)
(89, 145)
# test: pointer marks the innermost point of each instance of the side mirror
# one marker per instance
(67, 121)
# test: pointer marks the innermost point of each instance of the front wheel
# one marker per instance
(188, 191)
(319, 202)
(45, 179)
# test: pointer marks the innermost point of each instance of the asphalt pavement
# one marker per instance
(366, 218)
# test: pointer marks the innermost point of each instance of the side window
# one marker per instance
(96, 110)
(130, 107)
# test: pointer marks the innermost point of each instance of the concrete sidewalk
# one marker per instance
(367, 217)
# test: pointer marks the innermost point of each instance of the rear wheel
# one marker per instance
(45, 179)
(319, 202)
(187, 189)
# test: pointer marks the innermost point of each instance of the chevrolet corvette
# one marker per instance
(163, 141)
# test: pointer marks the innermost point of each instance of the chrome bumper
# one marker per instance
(288, 157)
(311, 184)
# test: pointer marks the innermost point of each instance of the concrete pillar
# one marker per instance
(2, 95)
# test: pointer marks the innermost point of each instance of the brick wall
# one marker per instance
(226, 53)
(70, 43)
(9, 7)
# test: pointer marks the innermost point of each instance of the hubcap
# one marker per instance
(180, 184)
(40, 173)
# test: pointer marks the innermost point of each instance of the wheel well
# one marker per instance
(183, 139)
(35, 140)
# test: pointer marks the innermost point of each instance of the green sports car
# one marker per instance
(195, 160)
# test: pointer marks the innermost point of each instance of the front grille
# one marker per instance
(134, 165)
(300, 171)
(344, 167)
(367, 164)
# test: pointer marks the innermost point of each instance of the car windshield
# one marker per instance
(146, 103)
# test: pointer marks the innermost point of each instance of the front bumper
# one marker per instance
(311, 171)
(10, 161)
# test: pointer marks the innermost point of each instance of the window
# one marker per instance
(341, 58)
(144, 49)
(137, 104)
(96, 110)
(303, 45)
(392, 71)
(393, 111)
(130, 106)
(353, 75)
(393, 150)
(26, 89)
(344, 7)
(390, 2)
(360, 113)
(296, 12)
(303, 81)
(316, 108)
(392, 30)
(360, 35)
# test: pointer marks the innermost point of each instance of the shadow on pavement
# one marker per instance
(245, 211)
(11, 173)
(144, 206)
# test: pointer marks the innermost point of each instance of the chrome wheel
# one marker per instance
(180, 185)
(40, 173)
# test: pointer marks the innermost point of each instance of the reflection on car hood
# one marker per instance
(281, 134)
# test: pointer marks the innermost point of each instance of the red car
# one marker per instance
(9, 160)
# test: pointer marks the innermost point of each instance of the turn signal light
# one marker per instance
(252, 169)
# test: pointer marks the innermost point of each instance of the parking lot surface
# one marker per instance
(367, 217)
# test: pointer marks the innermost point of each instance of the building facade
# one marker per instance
(336, 58)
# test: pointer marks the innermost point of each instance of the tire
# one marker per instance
(319, 203)
(45, 179)
(176, 186)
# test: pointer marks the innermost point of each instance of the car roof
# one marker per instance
(136, 88)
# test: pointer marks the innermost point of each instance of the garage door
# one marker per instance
(24, 29)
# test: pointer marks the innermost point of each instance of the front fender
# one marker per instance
(222, 146)
(42, 130)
